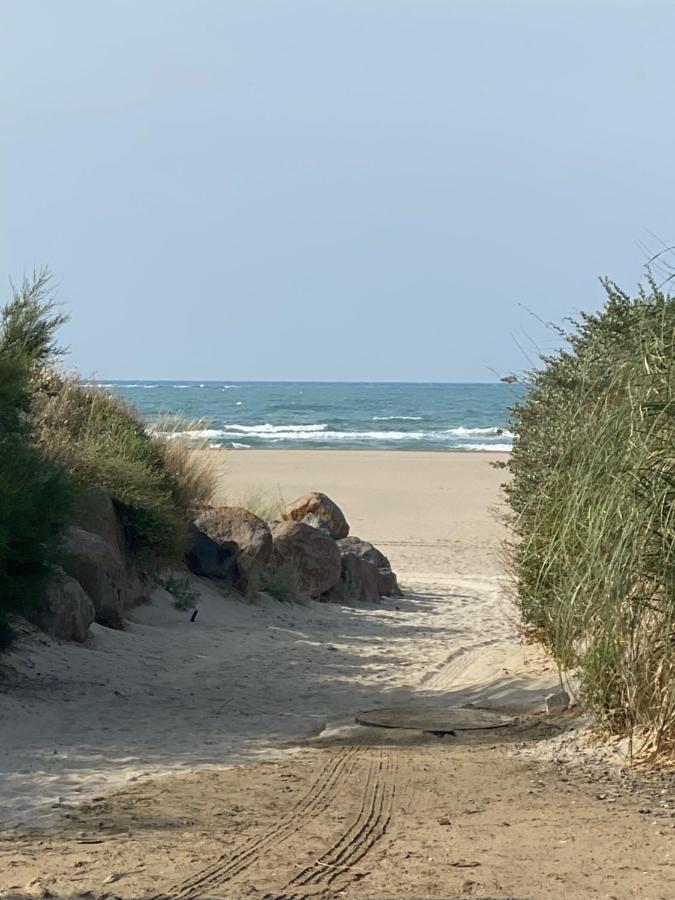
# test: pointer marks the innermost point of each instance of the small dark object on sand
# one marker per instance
(194, 615)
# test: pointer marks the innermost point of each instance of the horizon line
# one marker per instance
(282, 381)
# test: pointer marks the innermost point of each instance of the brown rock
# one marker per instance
(325, 514)
(359, 582)
(106, 575)
(365, 550)
(97, 514)
(67, 612)
(309, 554)
(251, 534)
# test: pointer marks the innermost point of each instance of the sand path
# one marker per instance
(321, 807)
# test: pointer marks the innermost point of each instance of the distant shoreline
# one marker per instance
(419, 450)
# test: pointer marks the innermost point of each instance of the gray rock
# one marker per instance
(308, 554)
(558, 701)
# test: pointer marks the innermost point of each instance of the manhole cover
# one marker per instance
(437, 719)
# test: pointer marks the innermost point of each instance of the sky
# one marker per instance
(380, 190)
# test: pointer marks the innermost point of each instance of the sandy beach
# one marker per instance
(221, 758)
(434, 512)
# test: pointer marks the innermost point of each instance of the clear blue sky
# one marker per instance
(331, 189)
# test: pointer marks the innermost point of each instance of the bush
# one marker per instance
(36, 499)
(184, 594)
(593, 502)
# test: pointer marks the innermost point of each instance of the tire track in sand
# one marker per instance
(369, 825)
(230, 865)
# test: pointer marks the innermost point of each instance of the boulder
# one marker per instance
(107, 577)
(227, 524)
(364, 550)
(389, 584)
(212, 559)
(359, 582)
(325, 514)
(312, 556)
(67, 612)
(97, 514)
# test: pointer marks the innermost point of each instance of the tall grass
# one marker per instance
(593, 502)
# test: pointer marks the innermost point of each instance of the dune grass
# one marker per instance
(100, 439)
(266, 503)
(593, 503)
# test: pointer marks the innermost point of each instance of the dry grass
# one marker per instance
(266, 503)
(99, 439)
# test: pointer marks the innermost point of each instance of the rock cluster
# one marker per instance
(308, 553)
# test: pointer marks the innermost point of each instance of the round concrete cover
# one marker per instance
(438, 719)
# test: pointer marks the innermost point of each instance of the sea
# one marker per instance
(368, 415)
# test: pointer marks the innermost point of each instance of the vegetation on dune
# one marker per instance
(266, 503)
(36, 494)
(57, 435)
(593, 503)
(100, 439)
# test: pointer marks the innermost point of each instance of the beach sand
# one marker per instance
(433, 512)
(231, 746)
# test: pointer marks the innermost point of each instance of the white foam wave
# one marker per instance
(496, 448)
(491, 431)
(237, 446)
(317, 433)
(275, 429)
(397, 418)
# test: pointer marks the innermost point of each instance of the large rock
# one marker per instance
(364, 550)
(320, 512)
(359, 582)
(96, 513)
(227, 524)
(308, 554)
(212, 559)
(67, 612)
(104, 573)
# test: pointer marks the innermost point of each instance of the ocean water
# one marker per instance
(336, 415)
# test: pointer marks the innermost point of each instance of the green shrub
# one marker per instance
(36, 499)
(282, 583)
(593, 502)
(185, 596)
